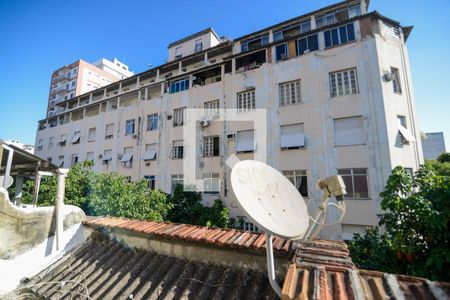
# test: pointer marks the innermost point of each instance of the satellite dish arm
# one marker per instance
(271, 265)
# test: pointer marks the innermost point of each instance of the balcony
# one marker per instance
(59, 90)
(61, 78)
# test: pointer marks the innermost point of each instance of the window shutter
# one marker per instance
(349, 131)
(245, 141)
(292, 136)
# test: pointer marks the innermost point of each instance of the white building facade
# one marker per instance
(336, 85)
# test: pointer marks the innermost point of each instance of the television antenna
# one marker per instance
(269, 199)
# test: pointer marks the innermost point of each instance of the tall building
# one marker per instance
(81, 77)
(336, 85)
(433, 144)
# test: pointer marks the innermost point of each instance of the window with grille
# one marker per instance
(355, 183)
(109, 131)
(129, 127)
(211, 183)
(210, 146)
(177, 179)
(91, 134)
(178, 116)
(246, 101)
(179, 86)
(343, 82)
(152, 122)
(289, 92)
(299, 180)
(211, 108)
(249, 226)
(396, 81)
(177, 150)
(40, 145)
(51, 142)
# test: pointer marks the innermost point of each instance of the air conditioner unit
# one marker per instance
(100, 156)
(134, 136)
(119, 156)
(169, 117)
(147, 163)
(204, 123)
(231, 135)
(388, 76)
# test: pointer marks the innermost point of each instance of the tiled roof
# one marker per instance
(106, 269)
(324, 270)
(211, 236)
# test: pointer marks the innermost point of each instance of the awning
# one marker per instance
(149, 155)
(60, 162)
(127, 157)
(107, 157)
(245, 141)
(76, 138)
(405, 133)
(63, 138)
(292, 136)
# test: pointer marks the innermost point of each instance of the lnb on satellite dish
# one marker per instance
(270, 199)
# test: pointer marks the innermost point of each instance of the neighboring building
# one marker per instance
(81, 77)
(433, 144)
(19, 144)
(337, 86)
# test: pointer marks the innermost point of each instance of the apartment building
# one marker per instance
(81, 77)
(433, 144)
(336, 84)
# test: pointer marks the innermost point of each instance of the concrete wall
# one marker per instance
(21, 229)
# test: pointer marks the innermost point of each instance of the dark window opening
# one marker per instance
(251, 61)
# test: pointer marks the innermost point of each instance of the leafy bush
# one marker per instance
(415, 223)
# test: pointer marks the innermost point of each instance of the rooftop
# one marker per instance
(110, 265)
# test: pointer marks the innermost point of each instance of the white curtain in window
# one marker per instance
(349, 131)
(292, 136)
(245, 141)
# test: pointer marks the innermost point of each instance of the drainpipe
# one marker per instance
(59, 203)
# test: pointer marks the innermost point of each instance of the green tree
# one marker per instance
(112, 195)
(441, 165)
(415, 227)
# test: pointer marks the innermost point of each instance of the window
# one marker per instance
(127, 157)
(254, 43)
(325, 20)
(179, 86)
(177, 149)
(211, 183)
(128, 179)
(74, 159)
(211, 108)
(67, 86)
(152, 122)
(305, 26)
(281, 52)
(62, 141)
(354, 11)
(109, 131)
(343, 83)
(245, 141)
(177, 179)
(289, 92)
(90, 156)
(299, 180)
(198, 45)
(40, 145)
(246, 101)
(292, 136)
(277, 35)
(73, 83)
(72, 95)
(107, 157)
(60, 162)
(49, 159)
(404, 134)
(210, 146)
(76, 137)
(249, 226)
(395, 75)
(340, 35)
(129, 127)
(178, 116)
(91, 134)
(355, 183)
(307, 44)
(178, 52)
(150, 152)
(349, 131)
(51, 142)
(151, 181)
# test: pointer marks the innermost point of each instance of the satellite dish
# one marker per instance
(6, 183)
(270, 199)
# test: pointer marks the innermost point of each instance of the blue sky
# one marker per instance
(39, 36)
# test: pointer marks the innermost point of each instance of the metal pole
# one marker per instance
(18, 194)
(37, 184)
(271, 265)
